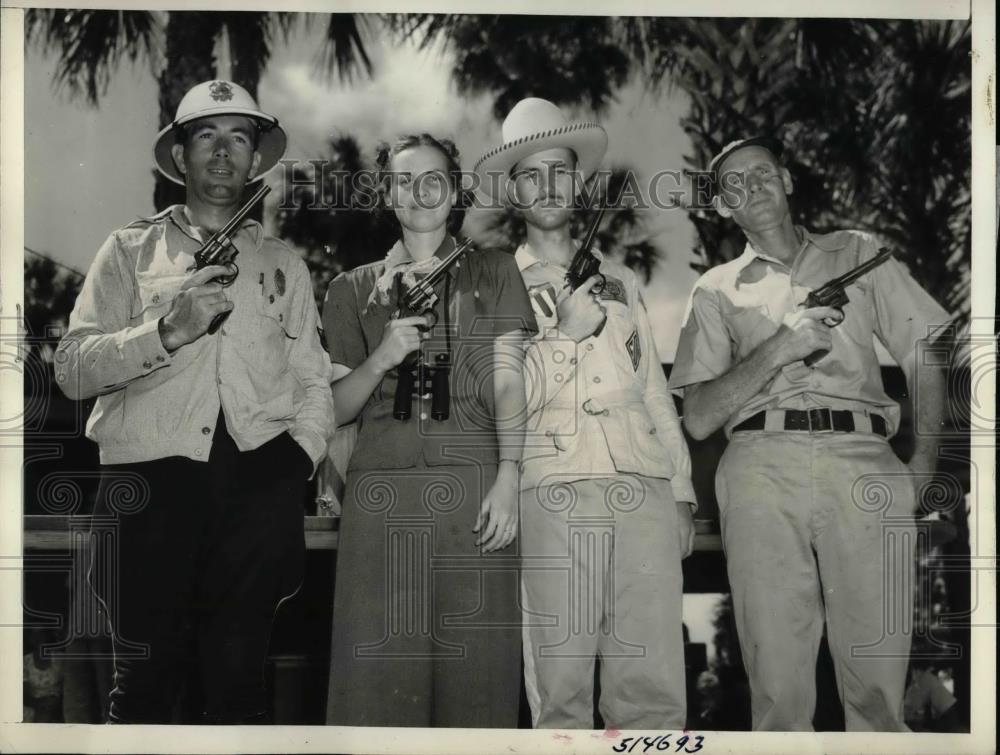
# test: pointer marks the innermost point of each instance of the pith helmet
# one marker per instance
(219, 98)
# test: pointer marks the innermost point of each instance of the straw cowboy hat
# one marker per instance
(534, 125)
(219, 98)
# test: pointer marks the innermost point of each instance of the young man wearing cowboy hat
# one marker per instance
(207, 440)
(816, 509)
(606, 496)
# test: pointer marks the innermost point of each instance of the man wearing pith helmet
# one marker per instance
(606, 494)
(208, 434)
(815, 507)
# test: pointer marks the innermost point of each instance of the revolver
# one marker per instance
(220, 250)
(420, 299)
(833, 294)
(585, 264)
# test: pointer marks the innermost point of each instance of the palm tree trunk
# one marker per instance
(190, 59)
(249, 47)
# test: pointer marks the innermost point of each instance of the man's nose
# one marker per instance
(549, 179)
(221, 147)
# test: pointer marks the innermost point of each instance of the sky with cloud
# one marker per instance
(88, 171)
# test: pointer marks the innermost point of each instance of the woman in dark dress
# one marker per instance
(426, 623)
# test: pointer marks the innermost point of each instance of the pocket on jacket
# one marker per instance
(156, 295)
(276, 310)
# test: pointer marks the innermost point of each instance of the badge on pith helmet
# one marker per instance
(219, 98)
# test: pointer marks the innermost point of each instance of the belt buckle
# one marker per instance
(820, 420)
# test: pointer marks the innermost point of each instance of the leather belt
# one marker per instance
(816, 421)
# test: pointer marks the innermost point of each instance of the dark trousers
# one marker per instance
(191, 560)
(426, 628)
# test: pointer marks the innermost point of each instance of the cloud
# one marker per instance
(409, 93)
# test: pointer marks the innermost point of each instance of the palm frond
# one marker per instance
(344, 50)
(90, 44)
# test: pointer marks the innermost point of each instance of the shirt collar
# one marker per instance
(398, 254)
(179, 218)
(525, 257)
(827, 243)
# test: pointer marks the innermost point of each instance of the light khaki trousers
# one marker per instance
(820, 526)
(601, 575)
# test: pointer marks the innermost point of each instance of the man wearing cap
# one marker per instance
(207, 439)
(816, 509)
(606, 495)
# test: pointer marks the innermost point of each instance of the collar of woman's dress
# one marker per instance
(399, 262)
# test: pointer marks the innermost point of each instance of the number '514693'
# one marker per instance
(683, 743)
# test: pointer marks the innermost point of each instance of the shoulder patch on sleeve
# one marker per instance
(614, 290)
(634, 349)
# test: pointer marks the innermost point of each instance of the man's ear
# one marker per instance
(720, 207)
(177, 152)
(254, 165)
(786, 179)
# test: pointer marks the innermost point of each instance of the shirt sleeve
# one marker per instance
(904, 312)
(704, 351)
(100, 352)
(342, 324)
(314, 424)
(513, 307)
(660, 405)
(551, 362)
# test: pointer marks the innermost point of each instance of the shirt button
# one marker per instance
(206, 430)
(147, 364)
(423, 415)
(572, 360)
(590, 347)
(652, 431)
(558, 357)
(197, 452)
(597, 380)
(156, 298)
(219, 381)
(271, 298)
(281, 317)
(559, 378)
(548, 433)
(159, 358)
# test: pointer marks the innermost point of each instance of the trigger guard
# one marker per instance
(229, 278)
(833, 323)
(599, 286)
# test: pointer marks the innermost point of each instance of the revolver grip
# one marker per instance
(218, 320)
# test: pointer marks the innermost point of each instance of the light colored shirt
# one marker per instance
(265, 366)
(600, 407)
(738, 305)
